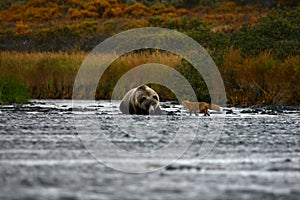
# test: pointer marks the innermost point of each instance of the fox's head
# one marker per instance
(185, 102)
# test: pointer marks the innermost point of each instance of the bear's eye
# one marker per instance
(144, 98)
(155, 97)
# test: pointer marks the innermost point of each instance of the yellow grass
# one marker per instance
(52, 75)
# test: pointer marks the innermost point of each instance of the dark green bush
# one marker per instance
(277, 33)
(195, 79)
(57, 38)
(12, 90)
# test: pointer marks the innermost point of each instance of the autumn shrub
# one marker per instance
(22, 28)
(74, 13)
(158, 8)
(227, 6)
(97, 6)
(117, 11)
(137, 10)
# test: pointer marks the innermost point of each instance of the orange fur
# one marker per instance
(203, 107)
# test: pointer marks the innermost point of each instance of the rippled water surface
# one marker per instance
(45, 153)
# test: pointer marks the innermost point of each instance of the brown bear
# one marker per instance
(141, 101)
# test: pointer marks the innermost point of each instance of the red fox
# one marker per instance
(200, 106)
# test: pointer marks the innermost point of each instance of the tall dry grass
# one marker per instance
(46, 75)
(52, 75)
(128, 61)
(251, 80)
(261, 80)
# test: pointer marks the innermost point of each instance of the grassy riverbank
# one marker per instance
(250, 80)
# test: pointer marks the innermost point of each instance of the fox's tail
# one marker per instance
(214, 107)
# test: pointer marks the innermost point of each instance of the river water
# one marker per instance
(53, 150)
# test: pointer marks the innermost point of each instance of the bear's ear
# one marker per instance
(142, 87)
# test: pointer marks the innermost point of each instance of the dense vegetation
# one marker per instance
(80, 25)
(5, 4)
(255, 44)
